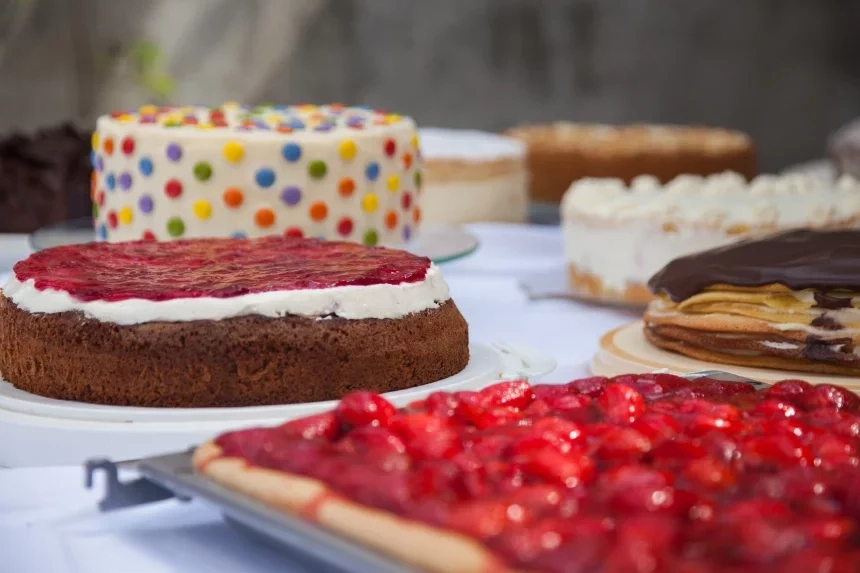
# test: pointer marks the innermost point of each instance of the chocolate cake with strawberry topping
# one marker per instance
(226, 322)
(632, 474)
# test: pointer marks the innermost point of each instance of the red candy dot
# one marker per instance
(128, 145)
(406, 201)
(112, 220)
(390, 147)
(294, 232)
(173, 188)
(116, 114)
(189, 120)
(100, 199)
(344, 226)
(148, 236)
(216, 116)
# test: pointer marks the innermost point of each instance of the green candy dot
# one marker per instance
(418, 179)
(95, 211)
(317, 169)
(175, 227)
(202, 171)
(371, 237)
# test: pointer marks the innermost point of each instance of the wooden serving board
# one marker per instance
(625, 350)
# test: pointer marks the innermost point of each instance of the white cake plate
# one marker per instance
(38, 431)
(436, 241)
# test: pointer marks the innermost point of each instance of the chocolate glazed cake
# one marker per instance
(226, 322)
(789, 301)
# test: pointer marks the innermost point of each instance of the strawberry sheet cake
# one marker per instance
(226, 322)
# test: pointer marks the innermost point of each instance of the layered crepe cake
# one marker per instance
(790, 301)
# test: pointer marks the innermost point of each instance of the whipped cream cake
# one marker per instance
(332, 172)
(564, 152)
(473, 176)
(617, 236)
(844, 147)
(790, 301)
(226, 322)
(639, 473)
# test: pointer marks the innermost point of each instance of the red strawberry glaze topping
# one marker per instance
(641, 473)
(219, 268)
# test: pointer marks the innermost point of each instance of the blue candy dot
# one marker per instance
(238, 235)
(372, 171)
(102, 232)
(94, 159)
(110, 182)
(265, 177)
(296, 124)
(145, 166)
(291, 152)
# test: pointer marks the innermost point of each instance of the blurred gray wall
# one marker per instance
(786, 71)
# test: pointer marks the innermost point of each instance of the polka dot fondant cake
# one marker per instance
(331, 172)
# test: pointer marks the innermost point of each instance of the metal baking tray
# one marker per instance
(172, 476)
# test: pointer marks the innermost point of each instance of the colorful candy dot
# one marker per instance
(126, 215)
(264, 217)
(369, 203)
(291, 151)
(407, 232)
(407, 160)
(174, 152)
(318, 211)
(372, 171)
(128, 145)
(108, 145)
(317, 169)
(406, 200)
(102, 232)
(147, 109)
(294, 232)
(233, 151)
(265, 177)
(202, 170)
(418, 180)
(233, 197)
(371, 237)
(95, 211)
(393, 183)
(389, 147)
(238, 235)
(416, 215)
(346, 187)
(347, 149)
(148, 235)
(93, 159)
(145, 166)
(94, 140)
(145, 203)
(173, 188)
(175, 227)
(100, 164)
(291, 195)
(391, 219)
(110, 182)
(112, 219)
(415, 140)
(125, 181)
(202, 209)
(100, 198)
(344, 227)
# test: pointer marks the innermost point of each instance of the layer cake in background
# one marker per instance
(844, 148)
(44, 178)
(330, 172)
(790, 301)
(473, 176)
(561, 153)
(617, 236)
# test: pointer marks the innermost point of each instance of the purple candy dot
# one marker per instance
(291, 195)
(125, 181)
(174, 152)
(407, 233)
(145, 203)
(100, 164)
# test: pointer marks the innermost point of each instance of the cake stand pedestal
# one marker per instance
(40, 431)
(625, 350)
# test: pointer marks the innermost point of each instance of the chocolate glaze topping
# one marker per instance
(802, 259)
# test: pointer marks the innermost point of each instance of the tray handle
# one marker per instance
(120, 494)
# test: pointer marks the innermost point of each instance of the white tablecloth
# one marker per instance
(49, 523)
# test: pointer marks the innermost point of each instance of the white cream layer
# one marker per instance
(499, 199)
(350, 302)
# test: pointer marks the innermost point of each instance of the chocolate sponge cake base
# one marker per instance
(243, 361)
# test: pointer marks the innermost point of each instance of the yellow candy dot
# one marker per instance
(126, 215)
(392, 118)
(233, 151)
(148, 109)
(205, 126)
(347, 149)
(202, 209)
(415, 140)
(95, 140)
(393, 183)
(369, 203)
(125, 118)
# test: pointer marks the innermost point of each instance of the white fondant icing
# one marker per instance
(468, 145)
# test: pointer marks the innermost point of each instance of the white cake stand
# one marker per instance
(38, 431)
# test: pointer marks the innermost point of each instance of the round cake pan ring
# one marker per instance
(487, 363)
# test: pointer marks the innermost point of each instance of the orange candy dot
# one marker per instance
(264, 217)
(416, 214)
(346, 187)
(233, 197)
(108, 145)
(391, 219)
(318, 211)
(407, 160)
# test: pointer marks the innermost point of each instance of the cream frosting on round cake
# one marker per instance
(333, 172)
(473, 176)
(617, 236)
